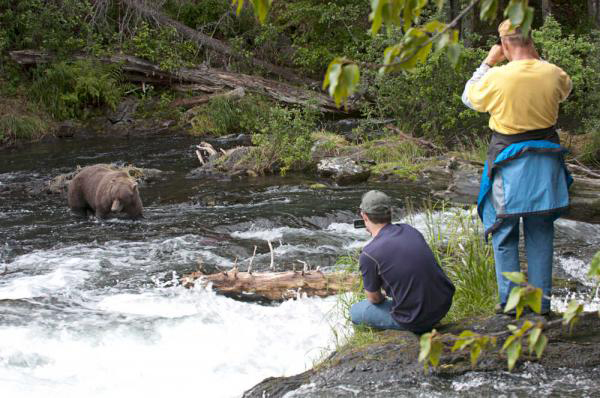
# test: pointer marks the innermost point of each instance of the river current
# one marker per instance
(93, 308)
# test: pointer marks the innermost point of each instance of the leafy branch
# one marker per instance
(432, 344)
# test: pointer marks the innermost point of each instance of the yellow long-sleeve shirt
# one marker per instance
(520, 96)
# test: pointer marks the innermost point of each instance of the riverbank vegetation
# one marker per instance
(301, 37)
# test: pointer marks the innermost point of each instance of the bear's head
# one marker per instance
(125, 197)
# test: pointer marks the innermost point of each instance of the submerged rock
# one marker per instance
(343, 170)
(390, 368)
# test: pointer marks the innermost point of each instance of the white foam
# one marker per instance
(193, 342)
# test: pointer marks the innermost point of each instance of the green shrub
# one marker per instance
(580, 58)
(285, 139)
(223, 115)
(67, 90)
(21, 127)
(427, 102)
(162, 46)
(57, 26)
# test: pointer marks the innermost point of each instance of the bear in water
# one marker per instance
(104, 191)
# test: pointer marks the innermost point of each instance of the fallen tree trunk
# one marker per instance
(210, 42)
(206, 79)
(275, 286)
(201, 99)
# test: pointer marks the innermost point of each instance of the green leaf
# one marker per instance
(533, 299)
(514, 298)
(595, 266)
(533, 338)
(425, 345)
(261, 9)
(464, 340)
(440, 4)
(475, 353)
(240, 5)
(570, 316)
(489, 8)
(515, 12)
(436, 352)
(541, 346)
(508, 342)
(515, 277)
(376, 15)
(513, 352)
(407, 16)
(453, 53)
(528, 19)
(332, 76)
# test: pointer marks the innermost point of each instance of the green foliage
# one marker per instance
(522, 296)
(57, 26)
(580, 58)
(431, 348)
(162, 46)
(571, 315)
(21, 127)
(392, 155)
(594, 271)
(68, 90)
(224, 115)
(455, 238)
(476, 342)
(427, 101)
(285, 140)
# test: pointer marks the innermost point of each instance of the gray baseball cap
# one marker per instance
(376, 202)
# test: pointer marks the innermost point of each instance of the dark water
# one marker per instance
(92, 308)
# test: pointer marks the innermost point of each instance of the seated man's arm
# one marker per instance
(371, 278)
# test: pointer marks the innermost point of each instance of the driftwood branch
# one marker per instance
(583, 169)
(139, 70)
(419, 141)
(275, 286)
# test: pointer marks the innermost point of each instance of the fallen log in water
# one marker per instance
(275, 286)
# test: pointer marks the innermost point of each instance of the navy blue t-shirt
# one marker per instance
(399, 260)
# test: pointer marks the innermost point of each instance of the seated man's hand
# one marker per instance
(375, 297)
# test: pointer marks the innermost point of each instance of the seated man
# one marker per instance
(398, 260)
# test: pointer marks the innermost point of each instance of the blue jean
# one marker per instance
(538, 232)
(374, 315)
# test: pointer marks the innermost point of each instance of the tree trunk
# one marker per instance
(207, 79)
(546, 9)
(214, 44)
(275, 286)
(594, 11)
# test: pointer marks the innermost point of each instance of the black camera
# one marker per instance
(359, 223)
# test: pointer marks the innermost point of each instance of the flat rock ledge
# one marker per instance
(391, 368)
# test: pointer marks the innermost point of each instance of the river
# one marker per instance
(93, 308)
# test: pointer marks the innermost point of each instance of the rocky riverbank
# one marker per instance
(390, 368)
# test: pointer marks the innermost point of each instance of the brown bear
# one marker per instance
(103, 191)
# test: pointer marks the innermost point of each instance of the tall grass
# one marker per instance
(456, 239)
(21, 127)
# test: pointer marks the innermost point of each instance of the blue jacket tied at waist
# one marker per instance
(528, 177)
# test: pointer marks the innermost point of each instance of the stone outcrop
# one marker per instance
(391, 367)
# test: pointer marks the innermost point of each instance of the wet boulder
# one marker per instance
(343, 170)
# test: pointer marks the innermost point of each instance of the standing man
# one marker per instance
(399, 261)
(524, 175)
